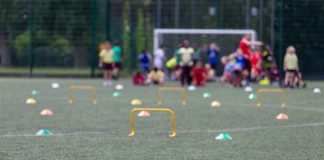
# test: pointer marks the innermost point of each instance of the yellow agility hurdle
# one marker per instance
(180, 90)
(271, 90)
(86, 88)
(131, 118)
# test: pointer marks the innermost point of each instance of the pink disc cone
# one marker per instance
(282, 116)
(46, 112)
(144, 114)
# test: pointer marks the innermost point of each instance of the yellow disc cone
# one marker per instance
(31, 101)
(215, 104)
(136, 102)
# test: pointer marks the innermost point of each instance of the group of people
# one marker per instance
(183, 66)
(250, 62)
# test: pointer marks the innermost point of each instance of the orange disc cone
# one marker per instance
(46, 112)
(282, 116)
(144, 114)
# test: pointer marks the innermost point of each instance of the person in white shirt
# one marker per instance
(159, 57)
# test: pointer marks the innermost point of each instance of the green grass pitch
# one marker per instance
(86, 131)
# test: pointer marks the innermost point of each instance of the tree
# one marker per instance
(11, 14)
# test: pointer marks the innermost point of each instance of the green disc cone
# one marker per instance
(227, 136)
(252, 97)
(44, 132)
(223, 136)
(206, 95)
(117, 94)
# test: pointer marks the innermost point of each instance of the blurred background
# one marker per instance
(62, 37)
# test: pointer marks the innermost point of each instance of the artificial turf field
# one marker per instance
(86, 131)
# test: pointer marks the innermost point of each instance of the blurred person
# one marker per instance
(238, 76)
(274, 75)
(106, 61)
(156, 76)
(256, 61)
(267, 57)
(228, 69)
(245, 45)
(159, 57)
(242, 66)
(269, 64)
(196, 55)
(186, 54)
(213, 53)
(144, 59)
(290, 67)
(139, 78)
(240, 59)
(298, 80)
(118, 59)
(210, 73)
(199, 74)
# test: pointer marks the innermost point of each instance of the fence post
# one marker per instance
(107, 19)
(93, 48)
(31, 37)
(281, 33)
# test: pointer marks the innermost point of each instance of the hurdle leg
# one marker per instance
(70, 96)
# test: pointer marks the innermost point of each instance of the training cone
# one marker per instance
(31, 101)
(46, 112)
(34, 92)
(119, 87)
(144, 114)
(215, 104)
(116, 94)
(44, 132)
(206, 95)
(223, 136)
(282, 116)
(55, 85)
(317, 90)
(248, 89)
(252, 96)
(136, 102)
(191, 88)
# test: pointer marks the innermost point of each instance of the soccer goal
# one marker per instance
(227, 39)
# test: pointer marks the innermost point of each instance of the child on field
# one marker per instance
(290, 67)
(199, 74)
(145, 59)
(139, 79)
(156, 76)
(228, 69)
(210, 73)
(118, 59)
(256, 61)
(106, 61)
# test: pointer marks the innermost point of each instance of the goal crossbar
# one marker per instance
(158, 32)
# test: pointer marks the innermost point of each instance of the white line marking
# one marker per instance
(114, 133)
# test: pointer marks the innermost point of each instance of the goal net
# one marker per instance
(226, 39)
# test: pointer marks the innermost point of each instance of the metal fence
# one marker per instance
(67, 33)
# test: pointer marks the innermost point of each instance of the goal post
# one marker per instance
(158, 33)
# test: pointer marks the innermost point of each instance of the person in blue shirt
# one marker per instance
(145, 60)
(213, 54)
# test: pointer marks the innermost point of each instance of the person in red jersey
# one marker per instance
(199, 74)
(245, 45)
(256, 61)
